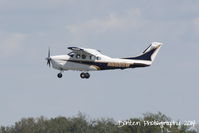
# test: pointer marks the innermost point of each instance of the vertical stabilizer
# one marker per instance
(150, 53)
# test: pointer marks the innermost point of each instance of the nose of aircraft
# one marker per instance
(60, 57)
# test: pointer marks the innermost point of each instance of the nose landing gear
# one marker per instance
(59, 75)
(85, 75)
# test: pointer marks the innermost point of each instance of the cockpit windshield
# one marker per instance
(71, 54)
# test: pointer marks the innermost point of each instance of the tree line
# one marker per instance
(148, 123)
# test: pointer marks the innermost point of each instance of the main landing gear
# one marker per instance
(85, 75)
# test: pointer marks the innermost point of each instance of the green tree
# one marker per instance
(80, 124)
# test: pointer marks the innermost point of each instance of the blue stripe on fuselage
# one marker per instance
(104, 65)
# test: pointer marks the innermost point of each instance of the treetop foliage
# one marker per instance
(80, 124)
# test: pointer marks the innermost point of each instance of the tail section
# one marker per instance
(149, 54)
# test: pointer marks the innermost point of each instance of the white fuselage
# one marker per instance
(66, 62)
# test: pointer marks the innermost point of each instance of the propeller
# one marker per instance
(48, 58)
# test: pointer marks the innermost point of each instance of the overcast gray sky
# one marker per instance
(118, 28)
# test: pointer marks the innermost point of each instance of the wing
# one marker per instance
(91, 52)
(75, 49)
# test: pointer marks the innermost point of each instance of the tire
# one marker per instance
(82, 75)
(59, 75)
(87, 75)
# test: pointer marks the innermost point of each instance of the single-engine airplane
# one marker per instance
(86, 59)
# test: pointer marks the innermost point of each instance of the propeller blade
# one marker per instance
(48, 58)
(48, 62)
(48, 52)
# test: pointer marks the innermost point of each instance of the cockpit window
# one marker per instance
(78, 56)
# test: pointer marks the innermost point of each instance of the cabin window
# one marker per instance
(83, 56)
(98, 58)
(92, 57)
(77, 56)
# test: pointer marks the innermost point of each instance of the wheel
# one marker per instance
(82, 75)
(59, 75)
(87, 75)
